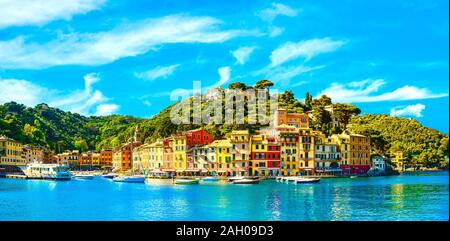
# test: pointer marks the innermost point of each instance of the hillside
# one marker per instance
(60, 130)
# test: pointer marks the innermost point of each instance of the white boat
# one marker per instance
(246, 181)
(186, 181)
(134, 179)
(232, 179)
(210, 179)
(38, 170)
(307, 180)
(110, 175)
(84, 176)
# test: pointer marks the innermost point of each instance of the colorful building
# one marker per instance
(70, 159)
(32, 154)
(398, 160)
(265, 156)
(282, 117)
(10, 155)
(219, 156)
(306, 152)
(106, 158)
(289, 155)
(168, 164)
(327, 156)
(355, 152)
(240, 152)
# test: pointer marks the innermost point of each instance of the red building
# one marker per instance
(198, 137)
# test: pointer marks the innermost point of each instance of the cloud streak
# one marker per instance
(126, 40)
(40, 12)
(277, 9)
(306, 49)
(367, 91)
(158, 72)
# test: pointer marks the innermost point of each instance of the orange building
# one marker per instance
(106, 158)
(355, 152)
(282, 117)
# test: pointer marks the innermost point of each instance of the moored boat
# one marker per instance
(38, 170)
(84, 176)
(246, 181)
(186, 181)
(307, 180)
(353, 176)
(132, 179)
(110, 175)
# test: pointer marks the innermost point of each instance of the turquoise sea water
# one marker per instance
(419, 196)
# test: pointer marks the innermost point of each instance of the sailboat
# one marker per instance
(133, 178)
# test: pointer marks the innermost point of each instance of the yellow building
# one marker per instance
(156, 155)
(355, 152)
(179, 153)
(398, 160)
(141, 158)
(327, 155)
(96, 159)
(258, 158)
(11, 154)
(289, 156)
(306, 152)
(220, 156)
(240, 152)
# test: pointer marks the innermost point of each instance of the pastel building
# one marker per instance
(306, 152)
(32, 154)
(282, 117)
(265, 156)
(106, 158)
(327, 156)
(289, 156)
(10, 155)
(220, 155)
(398, 160)
(240, 152)
(355, 152)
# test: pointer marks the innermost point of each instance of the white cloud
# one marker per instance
(269, 14)
(275, 31)
(158, 72)
(224, 73)
(80, 101)
(127, 40)
(106, 109)
(21, 91)
(147, 103)
(306, 49)
(410, 110)
(367, 91)
(39, 12)
(241, 54)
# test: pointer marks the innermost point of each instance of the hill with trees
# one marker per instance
(61, 130)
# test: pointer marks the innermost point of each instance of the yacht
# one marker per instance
(38, 170)
(84, 176)
(134, 178)
(110, 175)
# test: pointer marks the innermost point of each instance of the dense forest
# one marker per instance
(60, 130)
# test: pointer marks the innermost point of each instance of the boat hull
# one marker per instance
(246, 181)
(186, 182)
(130, 179)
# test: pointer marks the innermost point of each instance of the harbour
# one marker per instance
(412, 197)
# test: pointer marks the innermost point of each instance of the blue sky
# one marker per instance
(98, 57)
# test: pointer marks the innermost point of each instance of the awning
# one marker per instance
(193, 170)
(180, 170)
(169, 170)
(205, 171)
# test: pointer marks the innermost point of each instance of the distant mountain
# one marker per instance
(60, 130)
